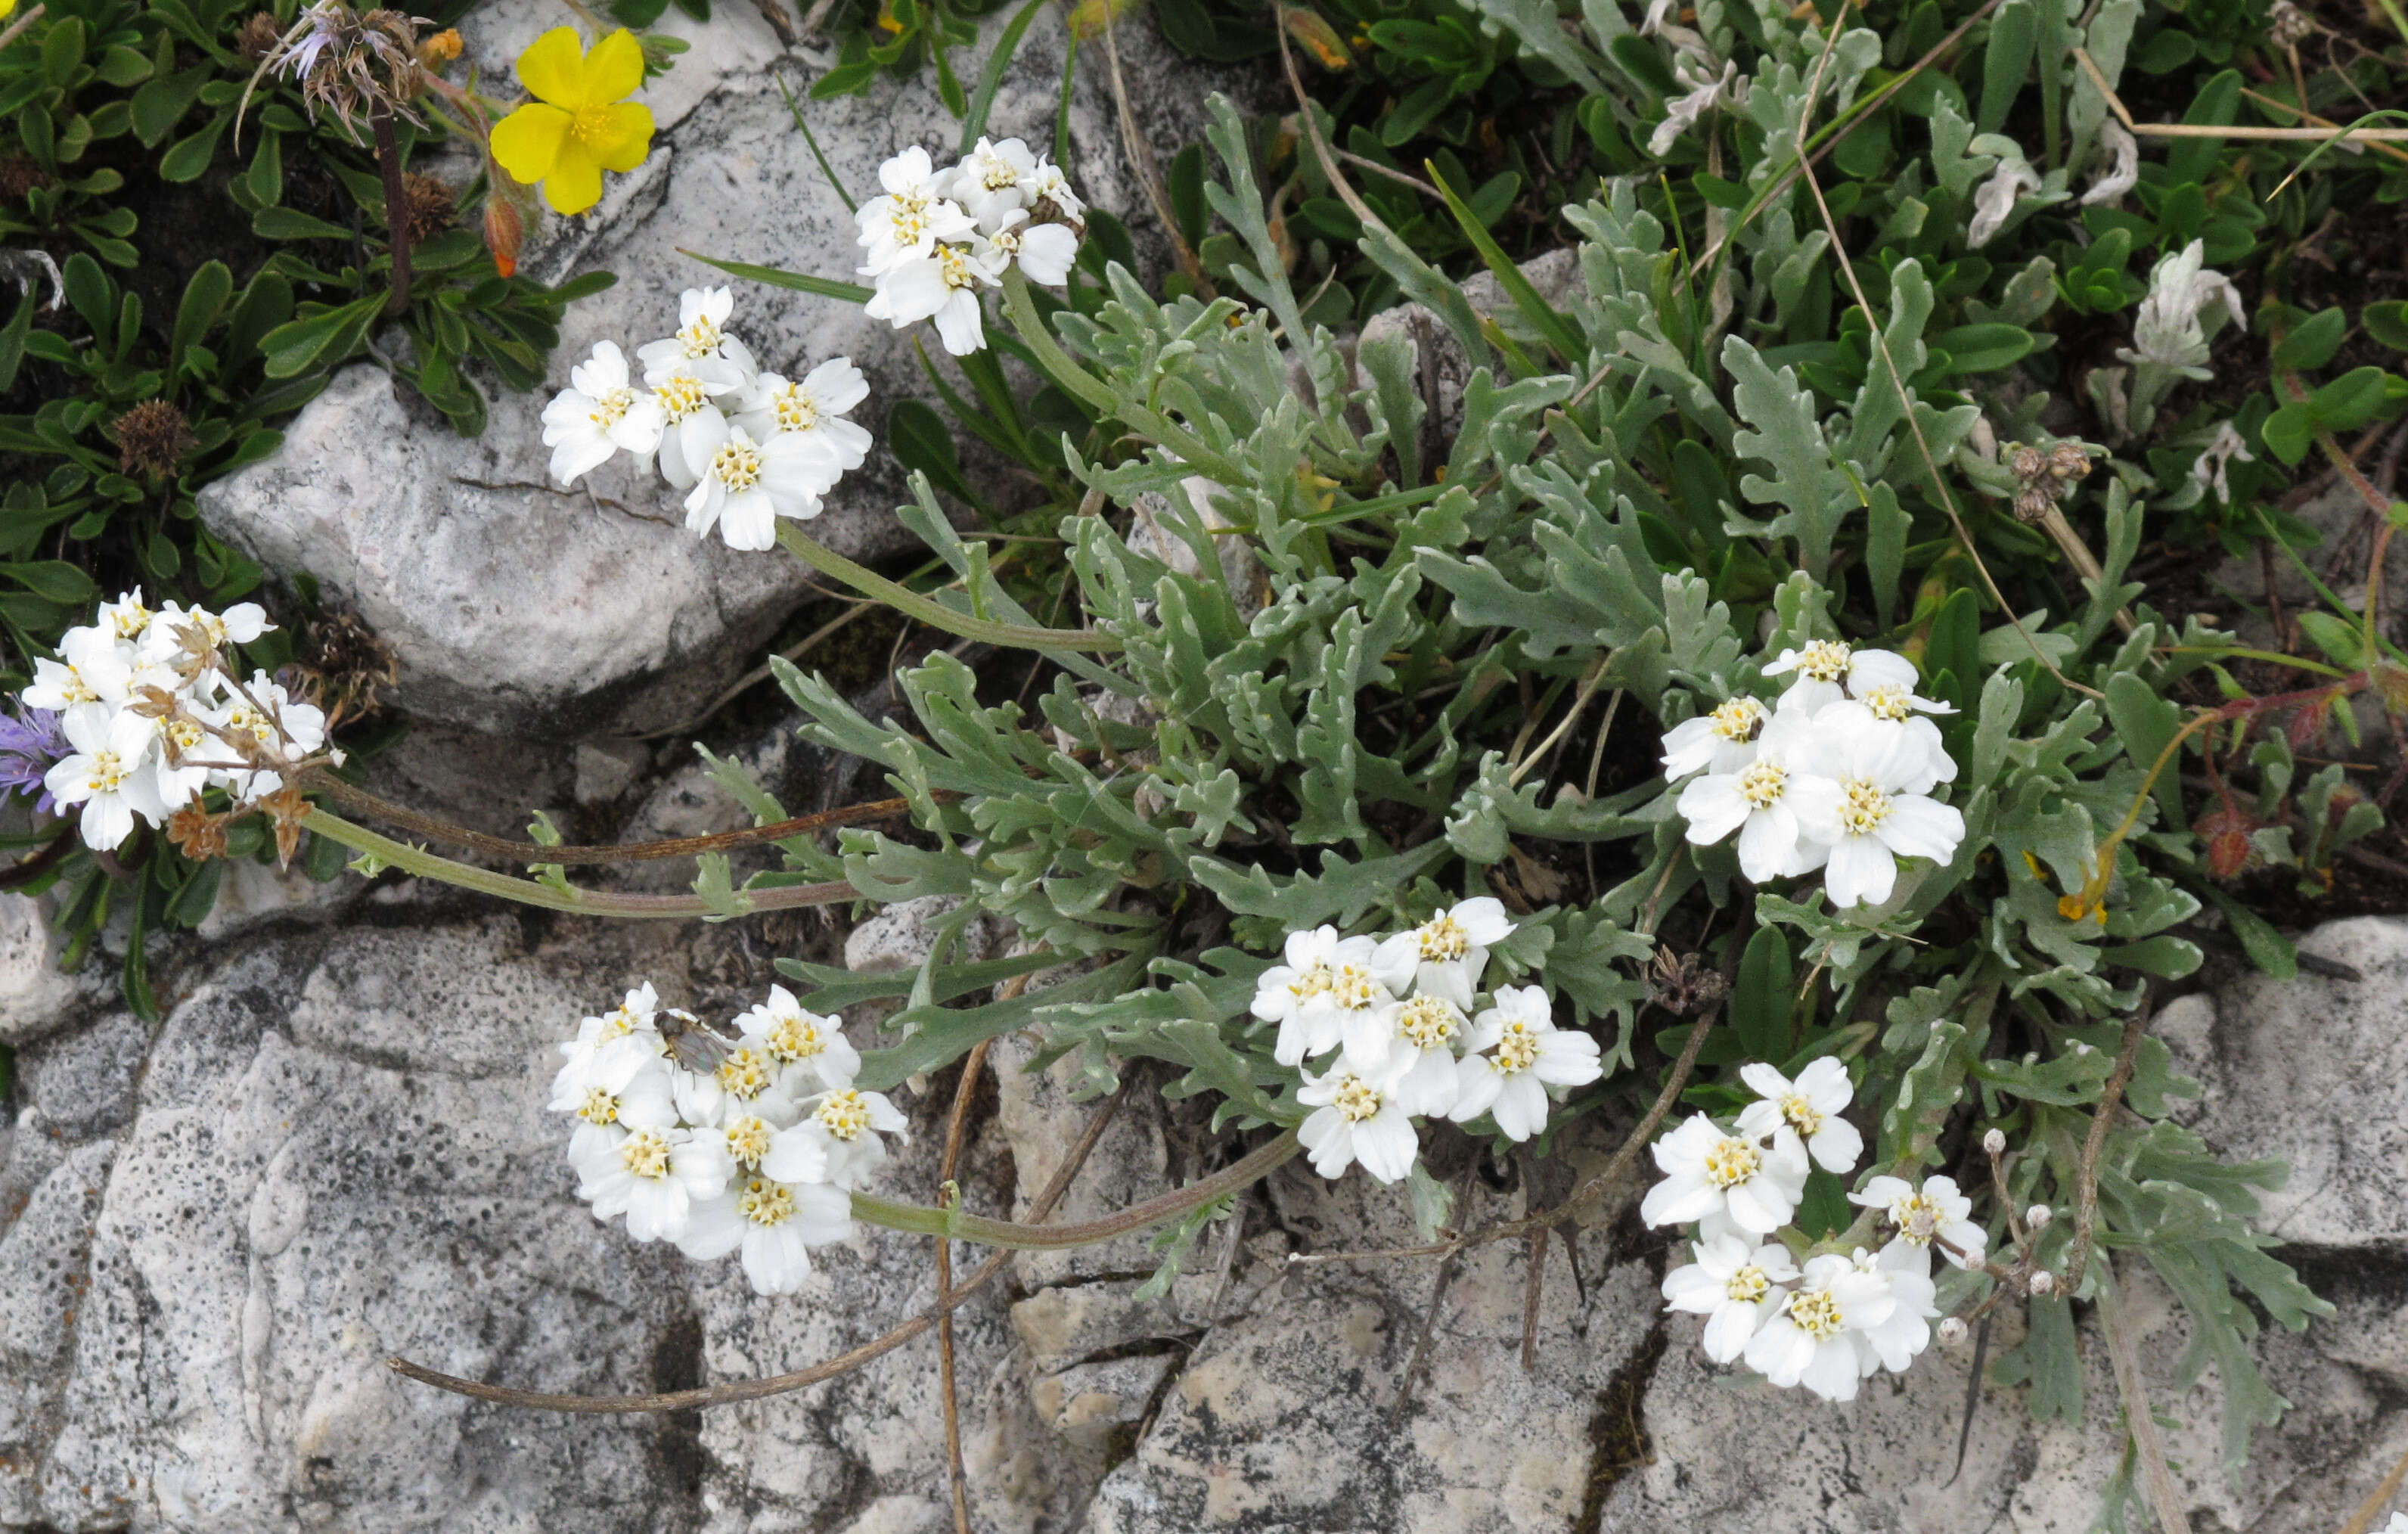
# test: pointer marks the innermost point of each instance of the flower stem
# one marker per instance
(825, 560)
(528, 892)
(956, 1224)
(397, 208)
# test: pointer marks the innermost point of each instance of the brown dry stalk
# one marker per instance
(778, 1384)
(353, 797)
(956, 1480)
(2146, 1445)
(2085, 1186)
(2371, 1509)
(2212, 130)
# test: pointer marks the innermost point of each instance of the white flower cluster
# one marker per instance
(154, 721)
(934, 237)
(1401, 1014)
(745, 446)
(753, 1147)
(1837, 776)
(1834, 1320)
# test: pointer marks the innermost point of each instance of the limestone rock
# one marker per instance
(517, 607)
(2313, 1072)
(33, 997)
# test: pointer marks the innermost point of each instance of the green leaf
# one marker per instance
(2342, 641)
(923, 443)
(825, 287)
(2268, 948)
(2387, 323)
(1984, 349)
(1762, 999)
(291, 224)
(2147, 723)
(190, 156)
(329, 338)
(1557, 328)
(1787, 438)
(2311, 344)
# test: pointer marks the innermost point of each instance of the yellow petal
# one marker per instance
(553, 68)
(629, 137)
(614, 70)
(575, 183)
(529, 140)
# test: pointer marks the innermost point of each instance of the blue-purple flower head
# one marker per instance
(30, 745)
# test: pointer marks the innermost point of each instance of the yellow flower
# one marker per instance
(578, 125)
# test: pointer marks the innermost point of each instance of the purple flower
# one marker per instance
(30, 745)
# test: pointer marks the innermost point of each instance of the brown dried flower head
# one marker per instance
(351, 66)
(18, 175)
(1685, 983)
(287, 807)
(197, 834)
(151, 440)
(2069, 461)
(259, 35)
(345, 668)
(427, 207)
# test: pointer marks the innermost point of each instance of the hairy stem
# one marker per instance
(903, 599)
(396, 216)
(527, 892)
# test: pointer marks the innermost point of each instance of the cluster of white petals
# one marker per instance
(743, 447)
(933, 237)
(2187, 302)
(750, 1146)
(1401, 1015)
(1836, 776)
(1832, 1320)
(154, 721)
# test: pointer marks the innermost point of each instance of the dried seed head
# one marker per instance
(344, 668)
(259, 35)
(2069, 461)
(151, 438)
(1682, 983)
(197, 834)
(18, 175)
(2027, 463)
(2288, 25)
(427, 207)
(351, 66)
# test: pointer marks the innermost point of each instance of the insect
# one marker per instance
(692, 1042)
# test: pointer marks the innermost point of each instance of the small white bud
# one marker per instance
(2080, 1048)
(1952, 1330)
(1995, 1142)
(2044, 1283)
(2037, 1216)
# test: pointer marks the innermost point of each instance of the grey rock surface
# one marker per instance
(516, 607)
(214, 1229)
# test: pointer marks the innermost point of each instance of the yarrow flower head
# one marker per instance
(1809, 1106)
(934, 237)
(1737, 1284)
(1518, 1056)
(1365, 1118)
(1816, 1337)
(1753, 1182)
(746, 1145)
(743, 448)
(139, 715)
(1934, 1214)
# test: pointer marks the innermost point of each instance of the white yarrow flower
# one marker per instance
(914, 213)
(702, 345)
(1935, 1213)
(743, 486)
(814, 409)
(988, 183)
(803, 1041)
(1736, 1284)
(1810, 1107)
(774, 1225)
(1708, 1171)
(654, 1177)
(1447, 954)
(1723, 740)
(942, 286)
(110, 775)
(1361, 1119)
(1814, 1339)
(1516, 1055)
(1862, 807)
(600, 414)
(837, 1140)
(1759, 801)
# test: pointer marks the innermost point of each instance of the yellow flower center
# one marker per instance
(1862, 807)
(843, 1114)
(748, 1139)
(1428, 1022)
(107, 771)
(77, 689)
(997, 175)
(620, 1023)
(764, 1202)
(595, 128)
(1748, 1284)
(1889, 703)
(681, 394)
(700, 338)
(1356, 1101)
(186, 735)
(1825, 659)
(1352, 987)
(1731, 1161)
(1443, 939)
(1816, 1314)
(954, 266)
(1309, 983)
(1518, 1050)
(132, 619)
(1762, 783)
(795, 1038)
(1802, 1115)
(645, 1155)
(599, 1106)
(737, 466)
(612, 408)
(1739, 719)
(1918, 1218)
(745, 1073)
(795, 410)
